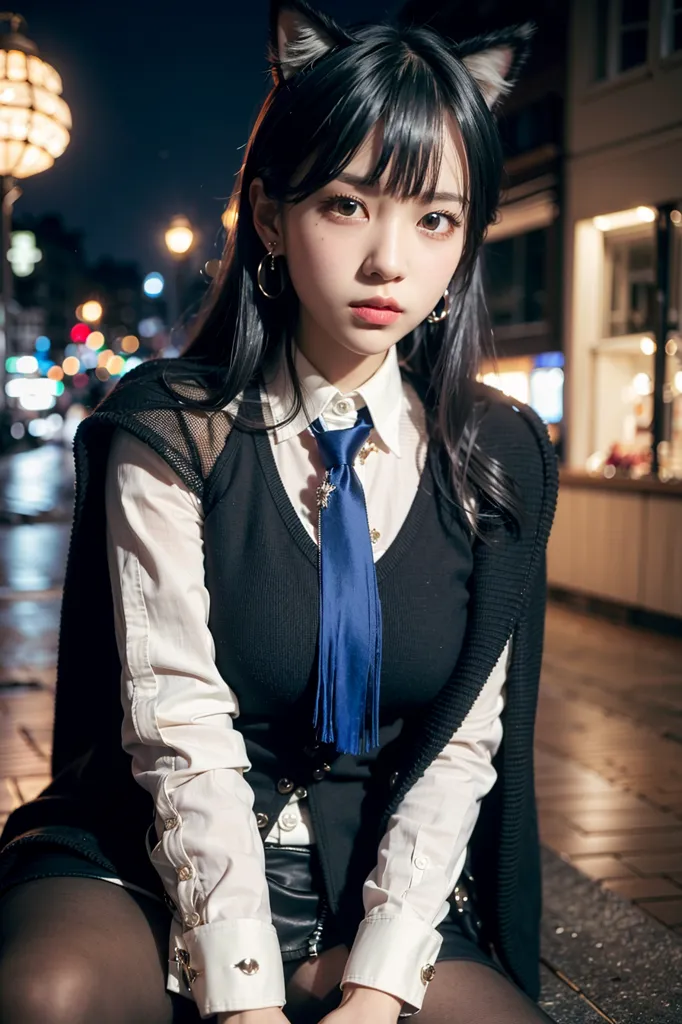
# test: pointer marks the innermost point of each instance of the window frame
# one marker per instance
(613, 40)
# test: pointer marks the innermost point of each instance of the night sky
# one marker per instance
(162, 101)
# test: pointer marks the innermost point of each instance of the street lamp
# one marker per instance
(179, 241)
(34, 131)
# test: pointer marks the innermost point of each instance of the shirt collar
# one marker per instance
(382, 394)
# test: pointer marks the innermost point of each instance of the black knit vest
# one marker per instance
(262, 577)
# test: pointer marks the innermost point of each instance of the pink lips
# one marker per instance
(377, 314)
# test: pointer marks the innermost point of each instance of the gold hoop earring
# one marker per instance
(436, 318)
(271, 269)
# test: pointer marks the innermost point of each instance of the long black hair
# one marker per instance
(332, 86)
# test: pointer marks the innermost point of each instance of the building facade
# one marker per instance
(618, 532)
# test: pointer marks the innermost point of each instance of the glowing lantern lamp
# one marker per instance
(35, 124)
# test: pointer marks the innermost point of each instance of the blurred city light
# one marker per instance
(88, 358)
(80, 332)
(671, 347)
(153, 285)
(91, 311)
(23, 254)
(647, 346)
(677, 380)
(130, 343)
(35, 119)
(55, 373)
(512, 383)
(179, 236)
(102, 373)
(17, 430)
(676, 217)
(642, 384)
(229, 217)
(35, 394)
(95, 340)
(131, 363)
(150, 326)
(42, 344)
(115, 365)
(71, 366)
(625, 218)
(27, 364)
(104, 356)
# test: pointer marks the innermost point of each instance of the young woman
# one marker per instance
(308, 561)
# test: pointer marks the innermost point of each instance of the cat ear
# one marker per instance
(299, 35)
(495, 60)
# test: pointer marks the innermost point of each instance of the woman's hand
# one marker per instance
(365, 1006)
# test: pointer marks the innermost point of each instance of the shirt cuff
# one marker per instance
(227, 966)
(395, 955)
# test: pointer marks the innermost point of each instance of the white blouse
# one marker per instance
(179, 712)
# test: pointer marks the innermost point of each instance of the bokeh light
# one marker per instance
(130, 343)
(153, 285)
(71, 366)
(80, 332)
(115, 365)
(91, 311)
(95, 340)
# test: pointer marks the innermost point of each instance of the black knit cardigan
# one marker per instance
(93, 787)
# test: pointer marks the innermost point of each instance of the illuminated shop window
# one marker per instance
(630, 279)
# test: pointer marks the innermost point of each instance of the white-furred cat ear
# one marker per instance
(300, 35)
(494, 61)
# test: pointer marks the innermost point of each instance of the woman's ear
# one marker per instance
(267, 217)
(300, 35)
(495, 60)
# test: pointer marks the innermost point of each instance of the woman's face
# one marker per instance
(348, 245)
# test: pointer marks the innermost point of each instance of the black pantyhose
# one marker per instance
(82, 951)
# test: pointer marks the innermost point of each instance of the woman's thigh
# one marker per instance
(464, 992)
(82, 950)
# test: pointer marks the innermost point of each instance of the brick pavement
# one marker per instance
(608, 759)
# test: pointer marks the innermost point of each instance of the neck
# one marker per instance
(346, 370)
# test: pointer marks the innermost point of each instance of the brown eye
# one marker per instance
(431, 221)
(347, 207)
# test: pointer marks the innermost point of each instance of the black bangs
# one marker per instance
(381, 82)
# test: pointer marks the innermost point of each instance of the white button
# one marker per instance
(421, 862)
(192, 920)
(288, 820)
(343, 406)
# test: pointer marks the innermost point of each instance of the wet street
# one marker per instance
(609, 739)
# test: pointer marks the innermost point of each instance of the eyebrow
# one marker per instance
(438, 197)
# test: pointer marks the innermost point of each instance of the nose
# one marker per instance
(385, 256)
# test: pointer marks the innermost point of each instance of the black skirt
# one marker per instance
(304, 923)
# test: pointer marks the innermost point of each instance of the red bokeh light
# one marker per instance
(80, 380)
(80, 332)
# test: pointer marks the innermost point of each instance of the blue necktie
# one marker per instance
(349, 666)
